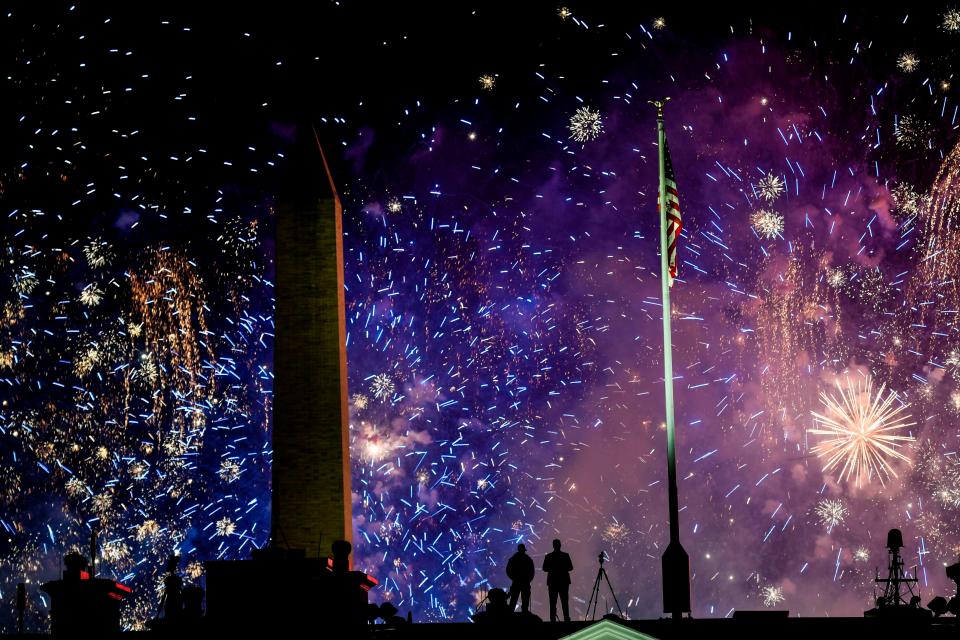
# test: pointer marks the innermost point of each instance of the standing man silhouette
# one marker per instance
(520, 570)
(558, 566)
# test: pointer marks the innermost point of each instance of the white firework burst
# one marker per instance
(772, 595)
(951, 21)
(382, 387)
(86, 362)
(138, 470)
(770, 187)
(98, 253)
(767, 223)
(147, 370)
(585, 125)
(76, 487)
(359, 401)
(862, 554)
(115, 551)
(860, 429)
(911, 131)
(831, 513)
(91, 295)
(25, 282)
(487, 82)
(194, 570)
(836, 278)
(394, 205)
(229, 471)
(225, 527)
(907, 201)
(564, 13)
(615, 533)
(908, 62)
(148, 529)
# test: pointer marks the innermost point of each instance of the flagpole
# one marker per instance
(675, 562)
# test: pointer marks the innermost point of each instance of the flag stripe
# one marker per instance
(673, 213)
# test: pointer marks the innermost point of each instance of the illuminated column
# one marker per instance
(311, 463)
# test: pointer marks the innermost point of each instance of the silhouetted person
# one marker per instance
(171, 604)
(520, 570)
(496, 610)
(343, 592)
(558, 566)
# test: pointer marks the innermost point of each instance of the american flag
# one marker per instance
(674, 224)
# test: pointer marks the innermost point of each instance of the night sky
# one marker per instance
(503, 309)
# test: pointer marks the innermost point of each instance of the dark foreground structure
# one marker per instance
(760, 626)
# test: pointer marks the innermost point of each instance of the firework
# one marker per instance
(116, 551)
(229, 471)
(138, 470)
(862, 554)
(359, 401)
(25, 282)
(585, 125)
(911, 132)
(382, 387)
(907, 200)
(770, 187)
(772, 595)
(951, 21)
(98, 254)
(836, 278)
(659, 23)
(564, 13)
(487, 82)
(861, 431)
(767, 223)
(831, 513)
(76, 487)
(225, 527)
(194, 570)
(91, 295)
(907, 62)
(615, 533)
(148, 529)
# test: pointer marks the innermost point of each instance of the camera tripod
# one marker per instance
(595, 594)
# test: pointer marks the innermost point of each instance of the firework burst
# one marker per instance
(908, 62)
(585, 125)
(487, 82)
(225, 527)
(229, 471)
(382, 387)
(951, 21)
(359, 401)
(836, 278)
(770, 187)
(860, 429)
(772, 595)
(831, 513)
(91, 295)
(767, 223)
